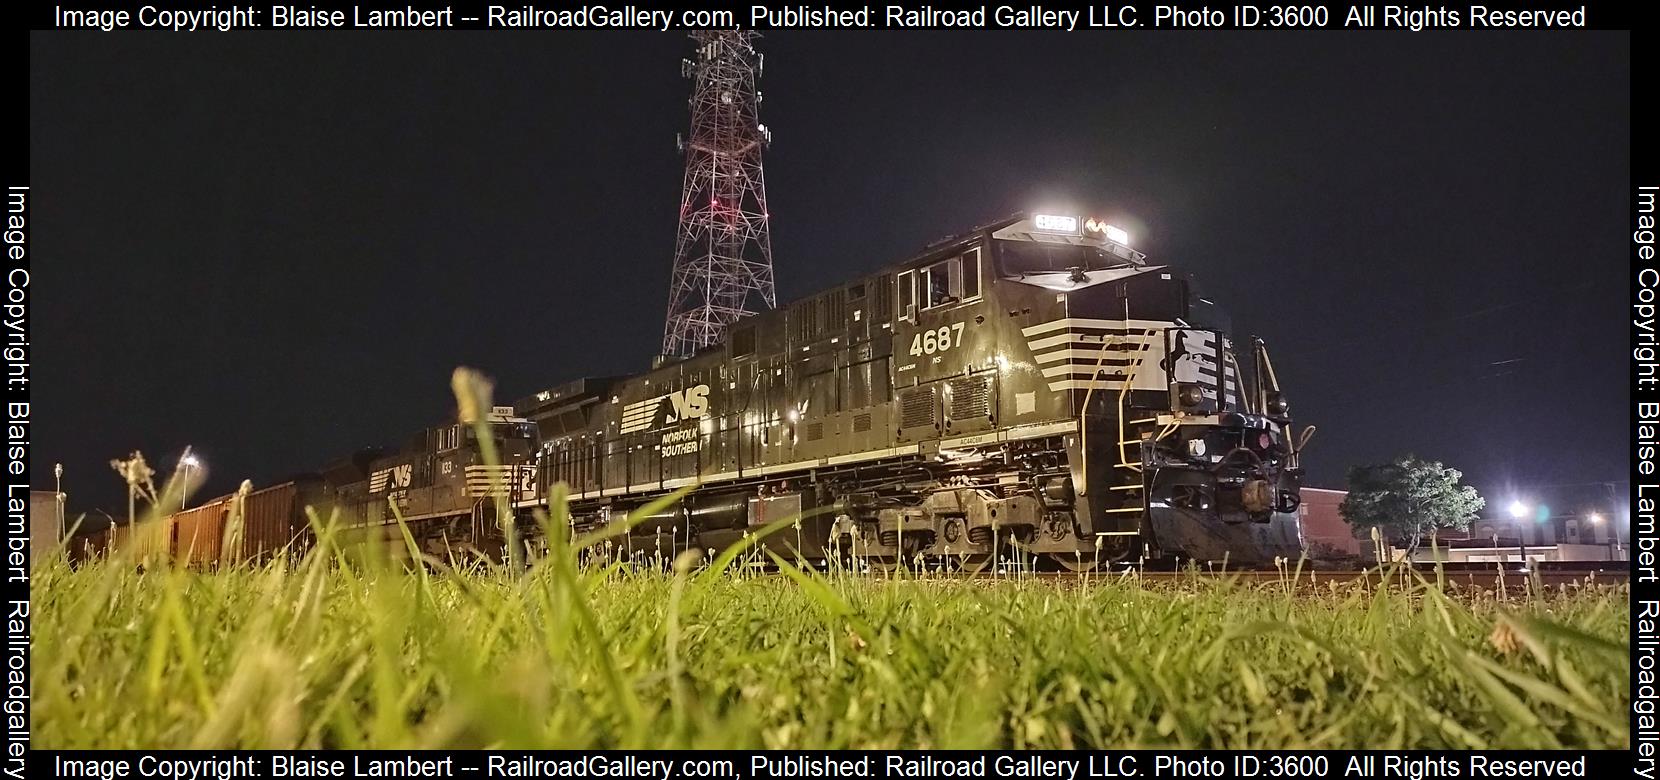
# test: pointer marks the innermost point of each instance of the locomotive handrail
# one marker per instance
(1123, 392)
(1239, 379)
(1083, 424)
(1083, 414)
(1294, 446)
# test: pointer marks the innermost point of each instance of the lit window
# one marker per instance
(939, 284)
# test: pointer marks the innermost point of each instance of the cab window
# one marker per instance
(952, 281)
(907, 295)
(939, 283)
(970, 285)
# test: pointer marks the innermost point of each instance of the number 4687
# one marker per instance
(938, 340)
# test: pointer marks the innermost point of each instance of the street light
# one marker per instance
(1595, 518)
(1519, 510)
(187, 461)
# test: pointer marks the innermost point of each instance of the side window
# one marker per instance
(971, 275)
(907, 295)
(940, 283)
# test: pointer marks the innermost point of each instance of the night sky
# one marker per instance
(276, 246)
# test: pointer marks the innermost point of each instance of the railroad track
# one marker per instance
(1462, 577)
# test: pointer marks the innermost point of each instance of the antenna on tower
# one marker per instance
(723, 252)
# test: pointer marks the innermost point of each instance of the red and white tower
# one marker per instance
(723, 254)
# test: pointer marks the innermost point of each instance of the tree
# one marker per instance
(1408, 499)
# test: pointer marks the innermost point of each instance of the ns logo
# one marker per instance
(688, 404)
(395, 477)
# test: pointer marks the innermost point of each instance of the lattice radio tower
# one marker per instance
(723, 254)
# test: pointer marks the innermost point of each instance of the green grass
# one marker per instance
(341, 651)
(324, 654)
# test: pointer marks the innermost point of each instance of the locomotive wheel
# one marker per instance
(840, 557)
(1115, 549)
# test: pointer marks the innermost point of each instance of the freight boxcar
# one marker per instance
(87, 545)
(148, 540)
(274, 520)
(245, 527)
(198, 534)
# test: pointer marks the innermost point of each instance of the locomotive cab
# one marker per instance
(1177, 447)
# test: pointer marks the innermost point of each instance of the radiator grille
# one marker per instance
(815, 431)
(861, 423)
(970, 397)
(916, 408)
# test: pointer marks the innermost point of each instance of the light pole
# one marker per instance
(1613, 541)
(57, 474)
(187, 461)
(1519, 510)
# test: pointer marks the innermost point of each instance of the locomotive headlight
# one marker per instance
(1196, 447)
(1190, 395)
(1116, 234)
(1055, 223)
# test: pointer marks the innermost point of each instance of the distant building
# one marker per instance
(1326, 534)
(1572, 537)
(1586, 536)
(45, 523)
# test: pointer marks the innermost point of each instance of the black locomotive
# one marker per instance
(1034, 385)
(441, 483)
